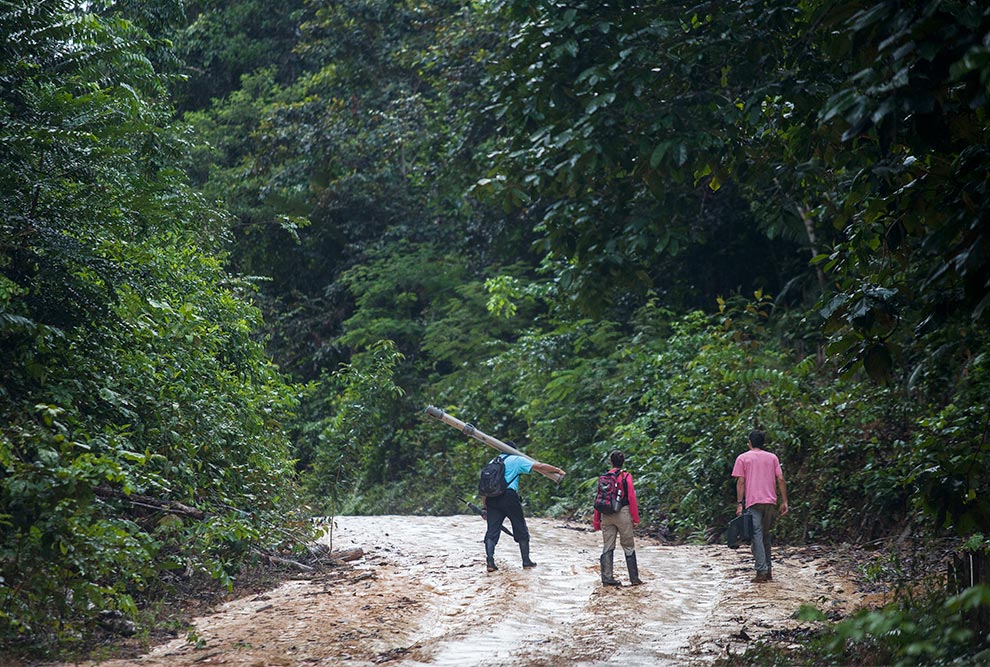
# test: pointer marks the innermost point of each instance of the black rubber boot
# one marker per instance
(606, 561)
(490, 555)
(524, 552)
(633, 567)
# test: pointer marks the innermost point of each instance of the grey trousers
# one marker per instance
(764, 514)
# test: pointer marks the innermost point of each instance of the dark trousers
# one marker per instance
(500, 507)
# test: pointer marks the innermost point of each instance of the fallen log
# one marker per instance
(347, 554)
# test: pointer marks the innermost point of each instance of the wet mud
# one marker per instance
(421, 595)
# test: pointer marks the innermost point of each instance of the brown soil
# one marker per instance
(421, 596)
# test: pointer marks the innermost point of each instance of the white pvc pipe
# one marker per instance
(468, 429)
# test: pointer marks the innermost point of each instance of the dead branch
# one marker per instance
(170, 506)
(286, 561)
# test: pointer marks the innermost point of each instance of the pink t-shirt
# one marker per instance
(760, 469)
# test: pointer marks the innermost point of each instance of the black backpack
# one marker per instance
(609, 494)
(492, 481)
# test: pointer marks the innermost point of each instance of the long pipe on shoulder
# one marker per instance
(491, 441)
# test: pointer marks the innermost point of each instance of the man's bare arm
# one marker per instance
(740, 494)
(547, 469)
(782, 486)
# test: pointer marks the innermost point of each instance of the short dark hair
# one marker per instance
(757, 438)
(617, 458)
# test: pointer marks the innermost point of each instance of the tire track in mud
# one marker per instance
(694, 600)
(559, 614)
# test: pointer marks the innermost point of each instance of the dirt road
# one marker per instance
(421, 596)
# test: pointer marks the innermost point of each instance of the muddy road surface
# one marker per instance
(421, 595)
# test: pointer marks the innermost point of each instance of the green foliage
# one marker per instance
(563, 224)
(359, 151)
(621, 126)
(131, 363)
(857, 129)
(678, 395)
(912, 250)
(227, 40)
(950, 471)
(393, 293)
(928, 630)
(351, 451)
(647, 164)
(648, 172)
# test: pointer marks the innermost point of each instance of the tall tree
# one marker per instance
(911, 175)
(621, 124)
(130, 367)
(369, 148)
(853, 128)
(221, 41)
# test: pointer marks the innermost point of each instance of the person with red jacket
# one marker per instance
(620, 523)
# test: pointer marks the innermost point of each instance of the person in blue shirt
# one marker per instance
(495, 509)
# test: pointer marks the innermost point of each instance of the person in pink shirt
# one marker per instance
(758, 476)
(620, 523)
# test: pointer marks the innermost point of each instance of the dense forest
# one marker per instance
(245, 244)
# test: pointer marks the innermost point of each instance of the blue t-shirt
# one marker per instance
(514, 467)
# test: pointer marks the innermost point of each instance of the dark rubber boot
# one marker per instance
(490, 555)
(606, 561)
(524, 552)
(633, 567)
